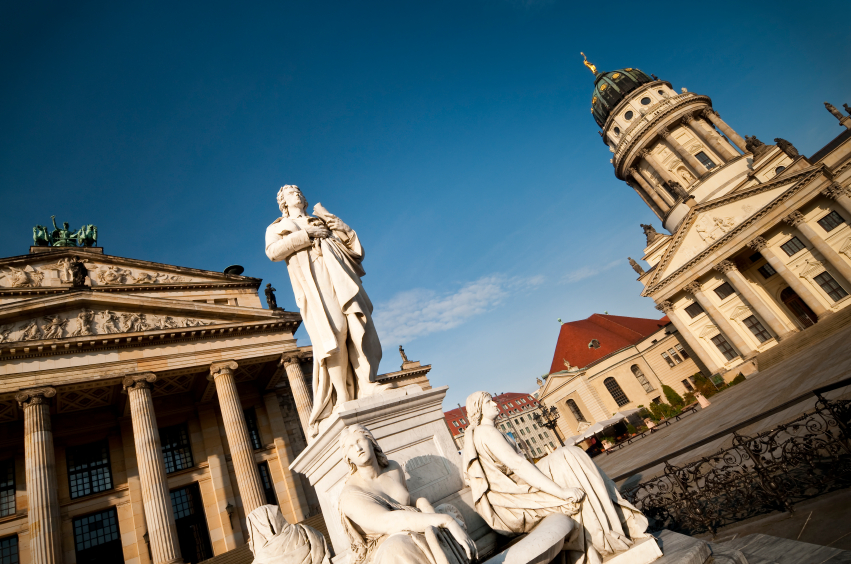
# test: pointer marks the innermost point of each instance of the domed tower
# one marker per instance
(665, 144)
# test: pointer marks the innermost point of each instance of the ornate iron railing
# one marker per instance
(773, 470)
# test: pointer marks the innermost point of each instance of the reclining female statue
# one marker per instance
(377, 516)
(513, 495)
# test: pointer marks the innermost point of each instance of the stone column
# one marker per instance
(295, 491)
(710, 137)
(716, 120)
(241, 452)
(796, 219)
(650, 190)
(695, 345)
(696, 166)
(730, 333)
(803, 290)
(756, 303)
(159, 514)
(842, 195)
(292, 363)
(645, 198)
(43, 496)
(657, 166)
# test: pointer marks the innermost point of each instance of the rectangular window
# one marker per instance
(521, 420)
(96, 537)
(831, 221)
(552, 446)
(268, 486)
(176, 450)
(522, 432)
(830, 286)
(724, 347)
(7, 488)
(694, 310)
(682, 351)
(755, 257)
(675, 356)
(792, 246)
(705, 160)
(534, 442)
(88, 469)
(657, 400)
(766, 271)
(756, 328)
(668, 360)
(9, 550)
(539, 451)
(687, 385)
(724, 290)
(534, 426)
(253, 431)
(540, 436)
(455, 423)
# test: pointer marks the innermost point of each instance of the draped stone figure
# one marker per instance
(323, 257)
(513, 495)
(376, 511)
(274, 541)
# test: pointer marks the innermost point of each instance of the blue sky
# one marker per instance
(455, 137)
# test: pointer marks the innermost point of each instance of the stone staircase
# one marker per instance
(750, 549)
(801, 340)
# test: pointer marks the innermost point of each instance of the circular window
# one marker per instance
(628, 115)
(661, 92)
(617, 130)
(645, 101)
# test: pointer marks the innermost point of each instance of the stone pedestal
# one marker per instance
(408, 423)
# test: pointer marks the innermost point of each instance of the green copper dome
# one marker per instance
(611, 87)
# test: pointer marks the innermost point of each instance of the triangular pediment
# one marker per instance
(50, 270)
(88, 314)
(710, 225)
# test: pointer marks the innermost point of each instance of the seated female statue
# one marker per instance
(274, 541)
(513, 495)
(377, 516)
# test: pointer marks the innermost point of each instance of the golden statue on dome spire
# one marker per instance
(589, 65)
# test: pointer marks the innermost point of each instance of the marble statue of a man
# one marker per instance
(323, 257)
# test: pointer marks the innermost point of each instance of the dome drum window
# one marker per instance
(628, 115)
(646, 101)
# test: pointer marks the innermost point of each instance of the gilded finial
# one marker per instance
(589, 65)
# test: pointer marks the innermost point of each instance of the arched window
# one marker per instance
(574, 409)
(648, 387)
(616, 391)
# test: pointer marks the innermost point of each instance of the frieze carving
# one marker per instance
(693, 287)
(758, 244)
(84, 323)
(116, 275)
(725, 266)
(75, 270)
(27, 277)
(794, 218)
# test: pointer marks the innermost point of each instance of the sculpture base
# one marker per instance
(642, 552)
(409, 426)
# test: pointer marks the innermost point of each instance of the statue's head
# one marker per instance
(66, 225)
(290, 195)
(359, 447)
(479, 406)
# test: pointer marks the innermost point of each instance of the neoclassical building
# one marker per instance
(759, 245)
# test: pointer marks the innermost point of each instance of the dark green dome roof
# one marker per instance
(611, 87)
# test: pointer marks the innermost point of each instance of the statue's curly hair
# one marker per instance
(282, 203)
(475, 403)
(352, 430)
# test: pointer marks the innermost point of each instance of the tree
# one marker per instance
(675, 399)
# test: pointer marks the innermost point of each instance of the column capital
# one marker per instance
(138, 381)
(709, 112)
(34, 396)
(222, 367)
(664, 133)
(665, 306)
(688, 118)
(693, 287)
(644, 153)
(758, 244)
(725, 266)
(632, 171)
(292, 357)
(794, 218)
(834, 191)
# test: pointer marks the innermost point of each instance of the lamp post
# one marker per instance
(548, 418)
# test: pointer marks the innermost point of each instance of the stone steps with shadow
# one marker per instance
(797, 342)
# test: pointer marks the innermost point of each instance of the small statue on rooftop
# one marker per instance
(755, 146)
(787, 148)
(402, 353)
(847, 109)
(636, 267)
(650, 233)
(271, 301)
(832, 109)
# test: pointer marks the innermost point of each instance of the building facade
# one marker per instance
(621, 363)
(516, 419)
(759, 244)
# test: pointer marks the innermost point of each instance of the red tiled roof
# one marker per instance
(613, 332)
(500, 399)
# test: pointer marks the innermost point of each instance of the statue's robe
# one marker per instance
(274, 541)
(333, 304)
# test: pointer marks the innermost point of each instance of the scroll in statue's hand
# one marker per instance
(317, 232)
(460, 535)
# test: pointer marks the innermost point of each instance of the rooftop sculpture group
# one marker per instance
(85, 236)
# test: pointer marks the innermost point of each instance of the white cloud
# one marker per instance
(419, 312)
(587, 272)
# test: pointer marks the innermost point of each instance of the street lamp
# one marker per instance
(548, 418)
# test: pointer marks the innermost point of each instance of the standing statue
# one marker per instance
(383, 527)
(403, 355)
(651, 233)
(323, 257)
(636, 267)
(274, 541)
(62, 237)
(513, 495)
(755, 146)
(787, 148)
(832, 109)
(847, 109)
(271, 301)
(77, 272)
